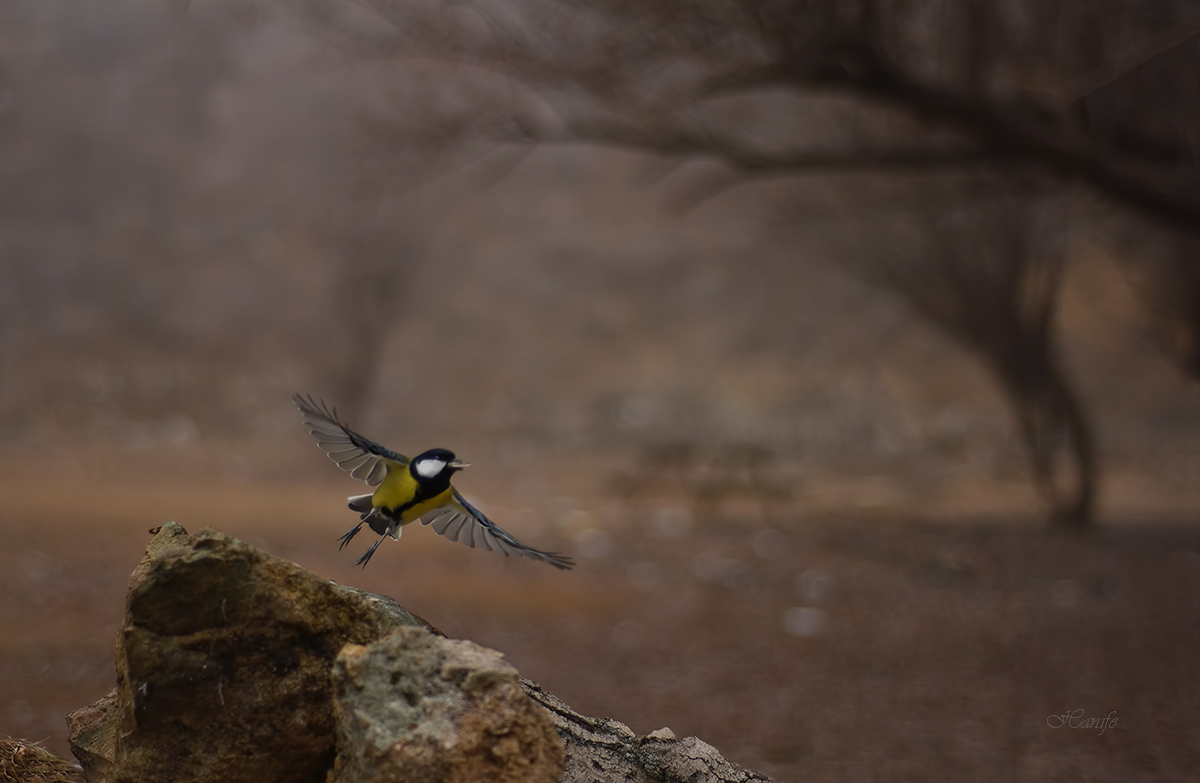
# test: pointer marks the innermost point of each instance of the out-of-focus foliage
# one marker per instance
(210, 206)
(196, 210)
(1100, 91)
(971, 100)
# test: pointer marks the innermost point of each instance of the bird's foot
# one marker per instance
(351, 533)
(366, 558)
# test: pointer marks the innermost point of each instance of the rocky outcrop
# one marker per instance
(233, 666)
(603, 750)
(417, 708)
(223, 667)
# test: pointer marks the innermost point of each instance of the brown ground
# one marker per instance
(936, 651)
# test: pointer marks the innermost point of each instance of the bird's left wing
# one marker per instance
(458, 520)
(363, 458)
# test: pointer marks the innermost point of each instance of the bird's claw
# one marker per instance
(362, 561)
(351, 533)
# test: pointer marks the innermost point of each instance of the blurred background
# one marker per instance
(851, 349)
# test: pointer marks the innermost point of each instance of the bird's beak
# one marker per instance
(458, 464)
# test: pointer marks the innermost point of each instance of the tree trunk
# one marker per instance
(1058, 435)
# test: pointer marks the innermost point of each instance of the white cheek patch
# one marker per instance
(428, 468)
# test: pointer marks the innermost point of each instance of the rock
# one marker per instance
(417, 708)
(602, 750)
(233, 666)
(94, 739)
(22, 762)
(223, 667)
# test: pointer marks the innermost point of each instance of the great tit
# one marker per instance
(407, 490)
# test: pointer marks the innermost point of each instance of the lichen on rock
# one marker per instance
(233, 665)
(424, 709)
(223, 667)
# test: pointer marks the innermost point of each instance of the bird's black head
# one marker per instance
(436, 464)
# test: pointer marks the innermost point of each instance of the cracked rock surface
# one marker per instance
(233, 665)
(603, 750)
(420, 708)
(223, 667)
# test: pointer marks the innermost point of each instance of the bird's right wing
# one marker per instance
(458, 520)
(365, 459)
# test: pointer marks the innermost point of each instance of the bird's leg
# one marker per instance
(351, 533)
(362, 561)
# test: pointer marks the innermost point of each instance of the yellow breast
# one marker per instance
(398, 490)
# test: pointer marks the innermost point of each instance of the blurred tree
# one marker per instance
(1101, 92)
(983, 261)
(182, 193)
(1105, 94)
(376, 257)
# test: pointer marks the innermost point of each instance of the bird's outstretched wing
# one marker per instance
(458, 520)
(363, 458)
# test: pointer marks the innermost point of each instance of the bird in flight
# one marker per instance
(407, 490)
